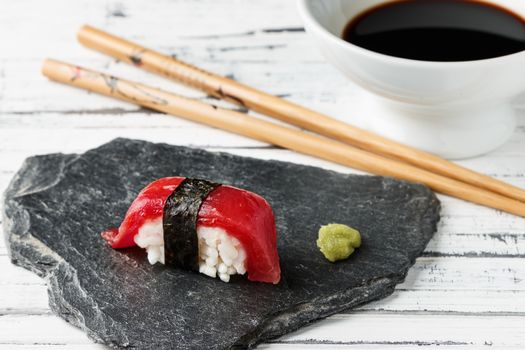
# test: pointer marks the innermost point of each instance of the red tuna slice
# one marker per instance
(243, 214)
(149, 205)
(249, 218)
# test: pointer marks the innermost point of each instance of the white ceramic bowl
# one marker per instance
(453, 109)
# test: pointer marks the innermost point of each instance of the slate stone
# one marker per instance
(57, 205)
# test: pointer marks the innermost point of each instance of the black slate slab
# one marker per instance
(57, 205)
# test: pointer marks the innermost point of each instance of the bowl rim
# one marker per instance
(311, 23)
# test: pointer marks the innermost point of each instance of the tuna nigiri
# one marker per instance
(199, 225)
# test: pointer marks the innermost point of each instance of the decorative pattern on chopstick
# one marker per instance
(286, 137)
(289, 112)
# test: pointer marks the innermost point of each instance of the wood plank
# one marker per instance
(24, 299)
(340, 99)
(506, 166)
(477, 244)
(297, 83)
(365, 329)
(13, 275)
(135, 117)
(476, 302)
(272, 346)
(48, 346)
(181, 15)
(384, 329)
(39, 329)
(464, 273)
(373, 346)
(53, 140)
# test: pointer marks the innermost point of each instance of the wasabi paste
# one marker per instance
(337, 241)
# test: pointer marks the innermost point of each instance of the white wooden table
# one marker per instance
(467, 291)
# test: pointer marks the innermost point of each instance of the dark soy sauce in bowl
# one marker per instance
(438, 30)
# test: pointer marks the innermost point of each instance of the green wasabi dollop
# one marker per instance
(338, 241)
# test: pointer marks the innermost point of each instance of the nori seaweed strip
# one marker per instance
(179, 222)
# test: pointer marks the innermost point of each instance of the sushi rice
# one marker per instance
(219, 253)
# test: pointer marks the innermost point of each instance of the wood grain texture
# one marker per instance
(466, 291)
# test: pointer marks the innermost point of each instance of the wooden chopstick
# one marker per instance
(281, 109)
(283, 136)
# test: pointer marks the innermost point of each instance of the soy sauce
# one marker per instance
(438, 30)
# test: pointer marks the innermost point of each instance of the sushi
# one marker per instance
(199, 225)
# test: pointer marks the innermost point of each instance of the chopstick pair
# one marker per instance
(336, 144)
